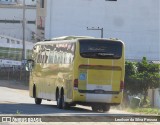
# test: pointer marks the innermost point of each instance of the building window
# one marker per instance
(42, 3)
(18, 42)
(12, 41)
(7, 40)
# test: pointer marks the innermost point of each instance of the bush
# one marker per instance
(140, 77)
(135, 102)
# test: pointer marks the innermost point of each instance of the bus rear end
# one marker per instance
(99, 73)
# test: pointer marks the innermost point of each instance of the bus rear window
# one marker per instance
(100, 49)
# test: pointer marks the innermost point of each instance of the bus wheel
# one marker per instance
(37, 100)
(95, 108)
(34, 91)
(59, 102)
(64, 104)
(106, 108)
(98, 108)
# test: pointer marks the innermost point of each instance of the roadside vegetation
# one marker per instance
(140, 76)
(141, 110)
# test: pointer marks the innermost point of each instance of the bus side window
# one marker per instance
(71, 59)
(53, 56)
(38, 60)
(46, 59)
(50, 58)
(55, 59)
(64, 58)
(59, 59)
(34, 53)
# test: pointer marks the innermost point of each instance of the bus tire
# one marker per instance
(37, 100)
(34, 91)
(106, 108)
(64, 104)
(100, 108)
(59, 102)
(94, 108)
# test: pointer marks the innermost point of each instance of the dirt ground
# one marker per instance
(13, 84)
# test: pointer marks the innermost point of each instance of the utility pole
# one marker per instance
(100, 29)
(24, 26)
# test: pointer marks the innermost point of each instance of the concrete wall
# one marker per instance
(15, 29)
(154, 97)
(157, 98)
(133, 21)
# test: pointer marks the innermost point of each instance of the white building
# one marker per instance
(27, 2)
(14, 43)
(11, 33)
(11, 17)
(7, 1)
(136, 22)
(11, 51)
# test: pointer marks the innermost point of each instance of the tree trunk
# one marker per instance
(145, 98)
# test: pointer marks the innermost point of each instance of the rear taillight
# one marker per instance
(76, 84)
(121, 85)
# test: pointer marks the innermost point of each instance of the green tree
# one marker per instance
(141, 76)
(130, 82)
(149, 76)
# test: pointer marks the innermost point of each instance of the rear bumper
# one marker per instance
(96, 92)
(110, 97)
(94, 103)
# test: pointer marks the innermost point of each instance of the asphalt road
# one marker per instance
(15, 100)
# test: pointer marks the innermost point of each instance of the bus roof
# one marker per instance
(64, 39)
(71, 39)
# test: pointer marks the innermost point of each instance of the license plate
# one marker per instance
(99, 91)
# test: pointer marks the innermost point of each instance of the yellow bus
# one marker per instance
(78, 70)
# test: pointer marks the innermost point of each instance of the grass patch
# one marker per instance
(141, 110)
(153, 111)
(18, 112)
